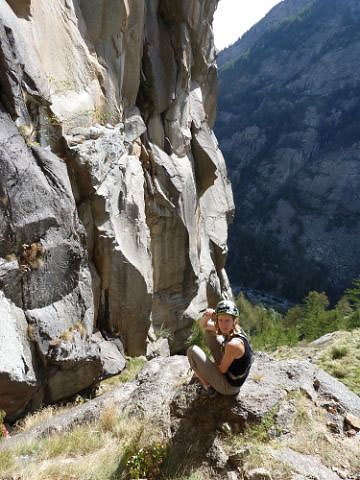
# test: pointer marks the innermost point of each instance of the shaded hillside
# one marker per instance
(279, 13)
(289, 125)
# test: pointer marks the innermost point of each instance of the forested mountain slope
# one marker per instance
(289, 126)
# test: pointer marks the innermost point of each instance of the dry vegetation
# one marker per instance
(95, 451)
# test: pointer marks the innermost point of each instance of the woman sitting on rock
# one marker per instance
(230, 348)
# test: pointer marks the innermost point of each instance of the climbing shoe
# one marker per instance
(209, 392)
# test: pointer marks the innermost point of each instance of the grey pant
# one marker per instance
(207, 369)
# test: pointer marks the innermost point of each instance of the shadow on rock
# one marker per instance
(195, 424)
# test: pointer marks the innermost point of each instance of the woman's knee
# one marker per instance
(193, 351)
(195, 355)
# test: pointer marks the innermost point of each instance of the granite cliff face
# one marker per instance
(114, 197)
(289, 126)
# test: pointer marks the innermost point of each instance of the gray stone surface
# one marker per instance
(108, 175)
(329, 387)
(111, 354)
(307, 465)
(158, 348)
(19, 381)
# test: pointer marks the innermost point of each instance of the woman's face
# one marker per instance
(226, 323)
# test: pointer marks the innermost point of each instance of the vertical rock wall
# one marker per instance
(114, 197)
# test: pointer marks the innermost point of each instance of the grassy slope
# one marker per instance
(339, 356)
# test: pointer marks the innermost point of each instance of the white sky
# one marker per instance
(235, 17)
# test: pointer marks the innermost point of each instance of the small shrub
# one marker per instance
(197, 337)
(109, 419)
(164, 332)
(147, 462)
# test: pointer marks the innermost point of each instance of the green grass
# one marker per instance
(256, 433)
(133, 367)
(342, 360)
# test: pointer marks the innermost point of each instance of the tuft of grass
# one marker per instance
(101, 465)
(7, 461)
(257, 433)
(67, 335)
(82, 440)
(38, 417)
(109, 419)
(11, 257)
(339, 372)
(338, 352)
(260, 456)
(164, 332)
(133, 367)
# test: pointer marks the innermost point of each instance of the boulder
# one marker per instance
(330, 388)
(158, 348)
(111, 354)
(306, 465)
(19, 380)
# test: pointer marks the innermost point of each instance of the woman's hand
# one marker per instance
(207, 322)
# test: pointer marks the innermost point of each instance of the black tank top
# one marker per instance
(240, 367)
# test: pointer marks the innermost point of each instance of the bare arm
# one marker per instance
(207, 321)
(234, 349)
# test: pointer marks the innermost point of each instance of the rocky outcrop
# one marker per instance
(202, 432)
(114, 197)
(288, 124)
